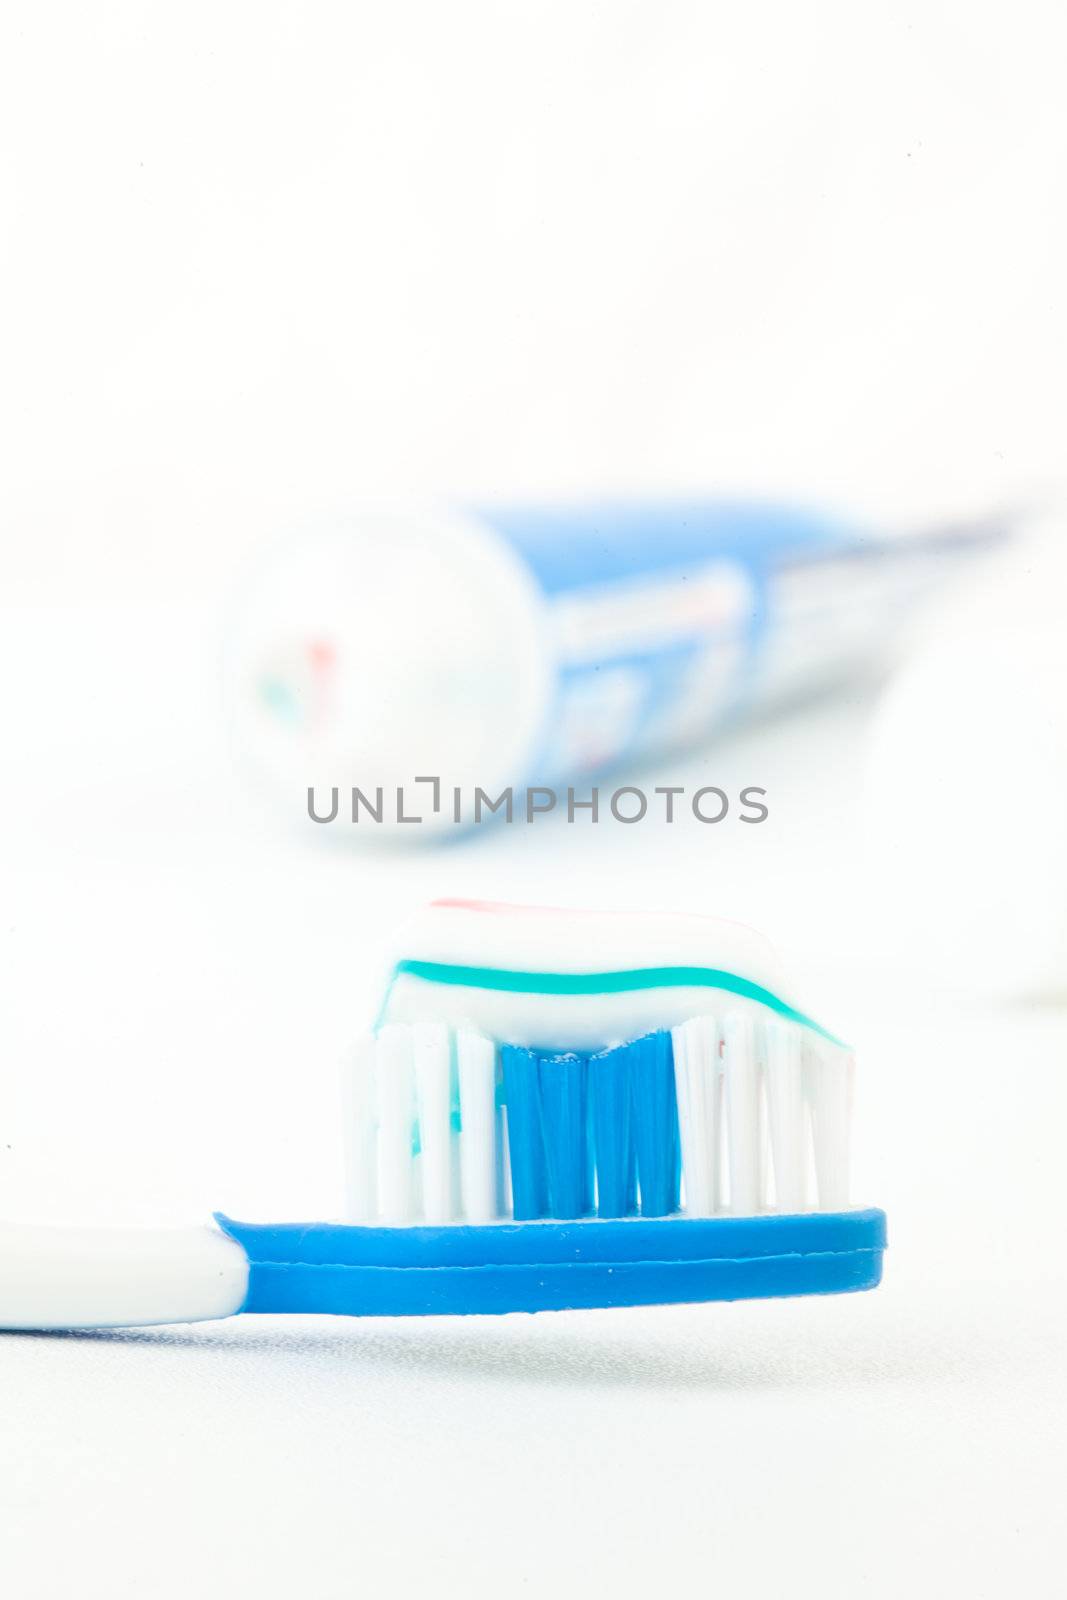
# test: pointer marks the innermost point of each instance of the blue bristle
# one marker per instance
(612, 1125)
(526, 1143)
(656, 1124)
(565, 1124)
(614, 1113)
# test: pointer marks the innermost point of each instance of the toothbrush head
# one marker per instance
(561, 1109)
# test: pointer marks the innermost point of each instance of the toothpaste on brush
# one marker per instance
(441, 653)
(549, 1054)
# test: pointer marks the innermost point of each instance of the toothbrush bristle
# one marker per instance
(731, 1114)
(480, 1144)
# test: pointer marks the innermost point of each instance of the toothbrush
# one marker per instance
(555, 1109)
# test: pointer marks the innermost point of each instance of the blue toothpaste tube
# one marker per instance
(408, 660)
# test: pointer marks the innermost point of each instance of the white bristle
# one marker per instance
(787, 1114)
(695, 1046)
(829, 1086)
(744, 1132)
(395, 1072)
(360, 1132)
(478, 1140)
(432, 1049)
(503, 1164)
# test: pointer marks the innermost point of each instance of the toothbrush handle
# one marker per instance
(112, 1277)
(71, 1277)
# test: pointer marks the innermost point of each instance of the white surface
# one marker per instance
(545, 244)
(72, 1277)
(267, 256)
(966, 784)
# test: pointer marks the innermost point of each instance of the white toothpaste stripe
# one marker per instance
(551, 939)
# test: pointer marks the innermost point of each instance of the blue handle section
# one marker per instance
(554, 1266)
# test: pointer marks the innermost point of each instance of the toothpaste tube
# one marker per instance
(522, 646)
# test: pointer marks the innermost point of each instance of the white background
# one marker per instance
(264, 260)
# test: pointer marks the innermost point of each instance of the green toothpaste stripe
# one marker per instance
(624, 982)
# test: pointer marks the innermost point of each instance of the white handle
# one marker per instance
(74, 1277)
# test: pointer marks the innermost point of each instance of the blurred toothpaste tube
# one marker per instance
(523, 646)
